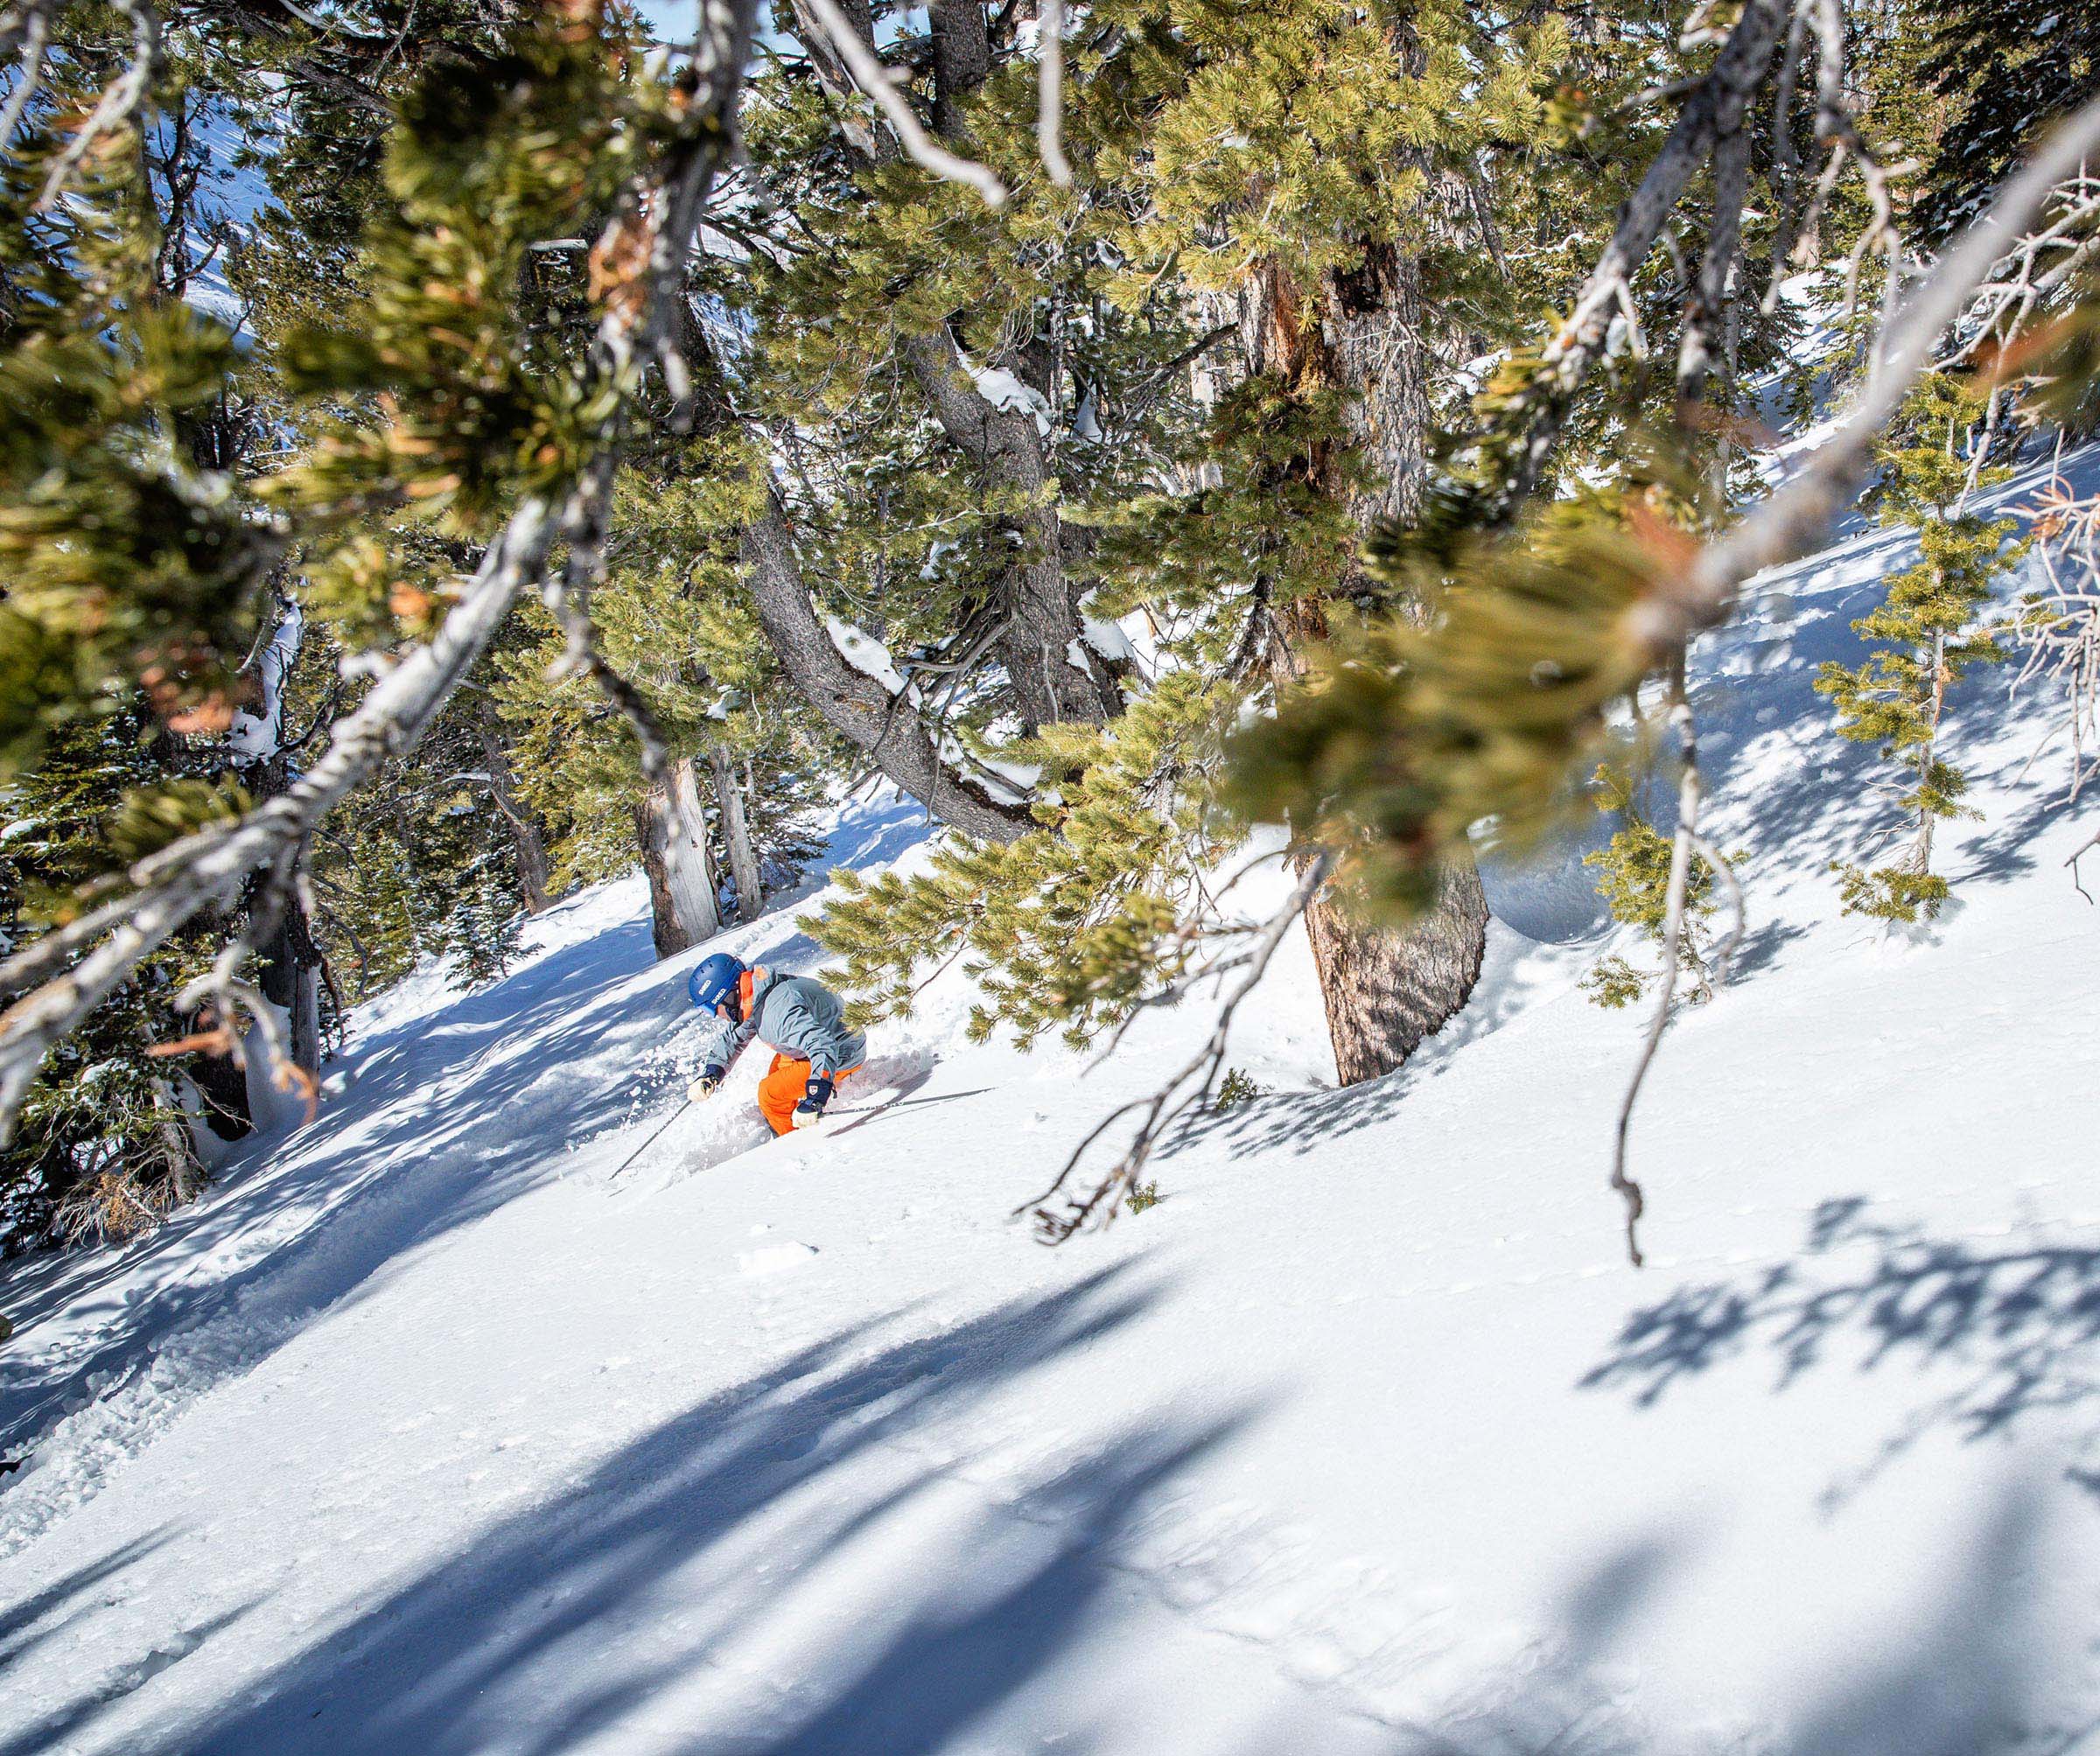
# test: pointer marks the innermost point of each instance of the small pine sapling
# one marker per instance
(1237, 1090)
(1142, 1195)
(1925, 635)
(1633, 879)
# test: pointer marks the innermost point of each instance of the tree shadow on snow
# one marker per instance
(1515, 976)
(29, 1622)
(568, 1621)
(443, 1130)
(1967, 1675)
(1831, 795)
(452, 1114)
(2015, 1323)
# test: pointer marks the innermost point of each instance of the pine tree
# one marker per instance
(1926, 635)
(104, 1144)
(1633, 879)
(139, 589)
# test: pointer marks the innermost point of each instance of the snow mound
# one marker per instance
(774, 1258)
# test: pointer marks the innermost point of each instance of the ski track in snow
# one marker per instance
(439, 1427)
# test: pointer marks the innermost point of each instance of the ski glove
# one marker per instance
(816, 1095)
(707, 1085)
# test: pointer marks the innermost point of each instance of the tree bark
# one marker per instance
(288, 973)
(854, 705)
(1361, 332)
(1385, 992)
(962, 46)
(674, 855)
(1054, 676)
(735, 831)
(222, 1086)
(306, 1009)
(529, 846)
(1040, 637)
(289, 978)
(886, 728)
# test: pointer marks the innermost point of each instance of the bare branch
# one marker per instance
(1050, 92)
(209, 867)
(1190, 1086)
(28, 29)
(1717, 108)
(1724, 869)
(1786, 163)
(1796, 518)
(118, 102)
(874, 80)
(1673, 953)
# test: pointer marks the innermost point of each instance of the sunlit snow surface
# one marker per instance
(427, 1432)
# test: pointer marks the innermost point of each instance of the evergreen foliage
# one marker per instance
(147, 544)
(1413, 731)
(2008, 69)
(975, 439)
(1633, 877)
(1925, 635)
(1076, 922)
(104, 1143)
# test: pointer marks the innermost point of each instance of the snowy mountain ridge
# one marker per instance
(427, 1431)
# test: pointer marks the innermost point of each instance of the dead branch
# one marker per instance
(1673, 952)
(1797, 517)
(1716, 108)
(118, 102)
(1050, 92)
(875, 81)
(1724, 869)
(26, 30)
(1190, 1086)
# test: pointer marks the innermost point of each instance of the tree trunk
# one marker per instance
(962, 46)
(1387, 992)
(1053, 676)
(223, 1088)
(529, 846)
(735, 831)
(1361, 332)
(860, 710)
(674, 855)
(886, 728)
(302, 1002)
(288, 973)
(307, 1018)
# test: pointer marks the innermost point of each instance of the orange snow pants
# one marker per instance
(782, 1088)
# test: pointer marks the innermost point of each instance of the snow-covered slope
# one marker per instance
(432, 1434)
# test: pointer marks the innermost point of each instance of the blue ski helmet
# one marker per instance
(715, 980)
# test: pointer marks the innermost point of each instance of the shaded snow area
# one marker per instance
(434, 1429)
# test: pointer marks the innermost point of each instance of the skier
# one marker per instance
(800, 1019)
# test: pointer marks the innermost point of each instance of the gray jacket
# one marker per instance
(796, 1015)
